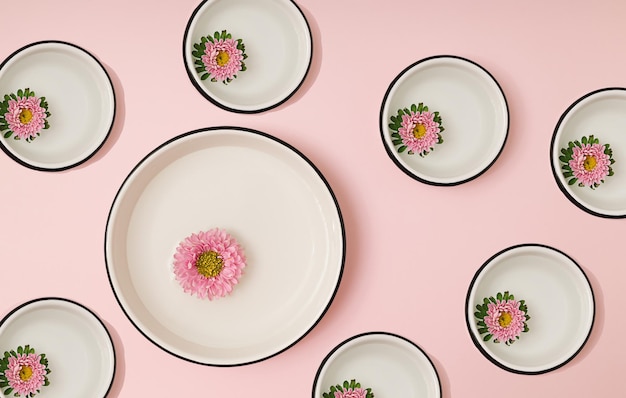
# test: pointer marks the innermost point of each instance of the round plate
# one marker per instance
(76, 342)
(271, 199)
(473, 110)
(278, 43)
(81, 101)
(601, 113)
(391, 365)
(560, 303)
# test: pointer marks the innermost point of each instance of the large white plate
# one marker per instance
(80, 98)
(276, 204)
(391, 365)
(76, 342)
(474, 114)
(560, 303)
(603, 114)
(278, 43)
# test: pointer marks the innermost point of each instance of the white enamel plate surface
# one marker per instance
(278, 44)
(390, 365)
(81, 101)
(560, 303)
(79, 349)
(603, 114)
(271, 199)
(473, 110)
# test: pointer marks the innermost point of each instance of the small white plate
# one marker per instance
(603, 114)
(560, 303)
(473, 110)
(271, 199)
(76, 342)
(391, 365)
(81, 101)
(278, 43)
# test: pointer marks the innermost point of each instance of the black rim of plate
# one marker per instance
(90, 155)
(469, 322)
(555, 172)
(286, 145)
(215, 101)
(384, 130)
(51, 298)
(373, 333)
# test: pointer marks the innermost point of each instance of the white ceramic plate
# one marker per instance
(78, 346)
(278, 44)
(390, 365)
(474, 114)
(560, 303)
(603, 114)
(271, 199)
(81, 101)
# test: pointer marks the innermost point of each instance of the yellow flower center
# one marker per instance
(222, 58)
(505, 319)
(26, 372)
(419, 131)
(209, 264)
(26, 116)
(590, 163)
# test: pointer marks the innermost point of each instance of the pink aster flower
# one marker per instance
(25, 374)
(351, 393)
(26, 117)
(505, 320)
(209, 264)
(590, 164)
(222, 59)
(419, 131)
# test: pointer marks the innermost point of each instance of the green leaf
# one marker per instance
(204, 77)
(572, 181)
(402, 149)
(499, 296)
(414, 108)
(487, 337)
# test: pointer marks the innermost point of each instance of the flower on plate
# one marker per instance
(219, 57)
(209, 264)
(587, 162)
(416, 129)
(351, 389)
(502, 318)
(23, 115)
(23, 372)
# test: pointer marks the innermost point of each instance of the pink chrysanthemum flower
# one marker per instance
(25, 117)
(416, 129)
(351, 393)
(505, 320)
(222, 59)
(26, 374)
(209, 264)
(590, 164)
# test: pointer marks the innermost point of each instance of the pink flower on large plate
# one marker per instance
(209, 264)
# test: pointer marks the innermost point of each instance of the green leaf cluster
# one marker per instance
(200, 48)
(352, 384)
(5, 130)
(396, 124)
(4, 366)
(481, 314)
(568, 152)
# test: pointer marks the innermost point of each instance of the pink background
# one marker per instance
(412, 248)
